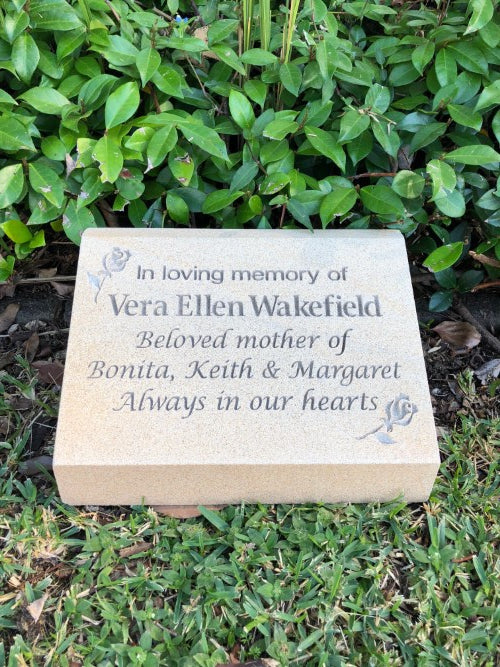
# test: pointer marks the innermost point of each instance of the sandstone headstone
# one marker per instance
(223, 366)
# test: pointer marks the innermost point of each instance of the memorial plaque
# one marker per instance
(219, 366)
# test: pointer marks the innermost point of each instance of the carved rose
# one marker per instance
(399, 411)
(115, 260)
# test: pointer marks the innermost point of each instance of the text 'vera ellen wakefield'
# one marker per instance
(205, 305)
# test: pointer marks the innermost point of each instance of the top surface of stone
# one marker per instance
(214, 347)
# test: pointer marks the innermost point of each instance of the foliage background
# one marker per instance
(316, 114)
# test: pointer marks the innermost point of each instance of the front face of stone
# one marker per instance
(219, 366)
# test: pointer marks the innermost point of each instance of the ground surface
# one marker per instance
(390, 584)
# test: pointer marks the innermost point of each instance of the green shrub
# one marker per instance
(356, 114)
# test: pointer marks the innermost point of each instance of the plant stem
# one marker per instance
(265, 23)
(113, 11)
(247, 17)
(288, 29)
(197, 12)
(372, 174)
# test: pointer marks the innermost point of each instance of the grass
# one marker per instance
(391, 584)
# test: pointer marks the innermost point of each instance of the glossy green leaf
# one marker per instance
(298, 211)
(148, 61)
(443, 176)
(256, 91)
(14, 24)
(16, 231)
(219, 199)
(470, 58)
(25, 56)
(160, 145)
(53, 148)
(70, 42)
(11, 184)
(378, 98)
(338, 202)
(136, 211)
(327, 144)
(53, 15)
(94, 93)
(408, 184)
(403, 74)
(444, 257)
(187, 43)
(121, 104)
(386, 136)
(278, 129)
(490, 34)
(177, 208)
(46, 182)
(440, 301)
(47, 100)
(169, 81)
(241, 110)
(422, 55)
(6, 267)
(482, 13)
(465, 116)
(446, 278)
(181, 165)
(381, 199)
(489, 96)
(426, 135)
(291, 77)
(92, 187)
(451, 203)
(352, 124)
(204, 137)
(246, 173)
(218, 31)
(76, 221)
(272, 151)
(13, 135)
(5, 98)
(228, 56)
(130, 185)
(139, 140)
(495, 126)
(446, 67)
(108, 153)
(255, 204)
(475, 154)
(274, 183)
(258, 57)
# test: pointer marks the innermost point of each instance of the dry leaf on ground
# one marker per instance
(31, 346)
(35, 608)
(63, 289)
(491, 369)
(7, 289)
(459, 335)
(7, 358)
(184, 511)
(49, 372)
(134, 549)
(47, 273)
(20, 403)
(8, 316)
